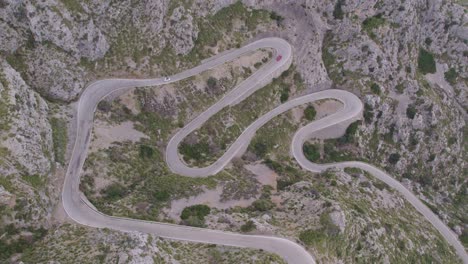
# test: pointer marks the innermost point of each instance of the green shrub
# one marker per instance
(104, 106)
(428, 41)
(368, 113)
(114, 192)
(35, 180)
(394, 158)
(311, 152)
(262, 205)
(464, 237)
(161, 196)
(59, 138)
(400, 88)
(451, 141)
(275, 16)
(7, 184)
(338, 11)
(451, 76)
(426, 62)
(310, 112)
(375, 88)
(371, 23)
(194, 221)
(248, 226)
(284, 96)
(73, 5)
(212, 82)
(411, 111)
(327, 57)
(358, 209)
(289, 175)
(260, 149)
(351, 131)
(199, 211)
(194, 151)
(311, 237)
(146, 152)
(19, 244)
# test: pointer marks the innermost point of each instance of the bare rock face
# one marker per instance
(10, 40)
(54, 74)
(27, 150)
(182, 31)
(5, 196)
(149, 16)
(339, 219)
(29, 139)
(304, 29)
(50, 21)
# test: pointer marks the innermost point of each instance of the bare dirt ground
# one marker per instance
(105, 134)
(326, 107)
(264, 175)
(439, 79)
(297, 114)
(212, 197)
(128, 99)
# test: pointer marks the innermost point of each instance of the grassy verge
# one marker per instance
(59, 136)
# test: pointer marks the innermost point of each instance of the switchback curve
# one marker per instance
(81, 210)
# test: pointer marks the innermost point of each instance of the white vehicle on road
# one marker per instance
(166, 79)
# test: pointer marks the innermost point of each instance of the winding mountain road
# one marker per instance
(83, 212)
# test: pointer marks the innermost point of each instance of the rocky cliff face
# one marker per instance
(26, 152)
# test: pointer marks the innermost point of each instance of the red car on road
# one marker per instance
(279, 58)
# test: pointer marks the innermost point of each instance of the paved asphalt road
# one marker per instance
(83, 212)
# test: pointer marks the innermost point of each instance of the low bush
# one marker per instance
(464, 237)
(260, 149)
(375, 88)
(311, 152)
(310, 113)
(411, 111)
(194, 151)
(248, 226)
(451, 76)
(368, 113)
(212, 82)
(114, 192)
(394, 158)
(371, 23)
(262, 205)
(104, 106)
(338, 10)
(426, 62)
(35, 180)
(146, 152)
(351, 131)
(275, 16)
(311, 237)
(59, 137)
(284, 96)
(198, 211)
